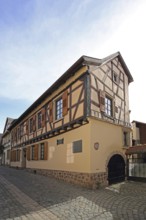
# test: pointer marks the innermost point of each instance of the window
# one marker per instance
(108, 106)
(39, 120)
(18, 132)
(8, 154)
(13, 155)
(116, 78)
(32, 152)
(17, 155)
(31, 125)
(135, 142)
(59, 108)
(21, 130)
(42, 151)
(126, 138)
(77, 146)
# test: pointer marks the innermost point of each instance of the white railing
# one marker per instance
(99, 115)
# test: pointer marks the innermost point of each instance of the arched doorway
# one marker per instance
(116, 169)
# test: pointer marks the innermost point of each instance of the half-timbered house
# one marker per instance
(79, 128)
(6, 142)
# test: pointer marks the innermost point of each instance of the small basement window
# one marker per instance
(60, 141)
(77, 146)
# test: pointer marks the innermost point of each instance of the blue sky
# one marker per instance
(41, 39)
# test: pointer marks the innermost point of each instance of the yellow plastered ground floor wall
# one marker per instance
(87, 168)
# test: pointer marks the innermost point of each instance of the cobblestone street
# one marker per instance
(30, 196)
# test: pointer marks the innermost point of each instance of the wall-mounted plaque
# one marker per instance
(96, 146)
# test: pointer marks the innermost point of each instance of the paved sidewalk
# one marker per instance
(28, 196)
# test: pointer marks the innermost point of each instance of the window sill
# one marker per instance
(57, 120)
(108, 116)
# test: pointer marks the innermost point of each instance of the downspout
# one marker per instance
(87, 94)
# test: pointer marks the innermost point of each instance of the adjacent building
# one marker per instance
(138, 133)
(6, 142)
(78, 130)
(1, 153)
(136, 155)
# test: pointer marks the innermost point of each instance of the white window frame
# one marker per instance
(108, 106)
(59, 108)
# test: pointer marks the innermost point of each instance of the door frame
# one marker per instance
(121, 177)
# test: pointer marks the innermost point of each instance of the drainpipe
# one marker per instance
(87, 94)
